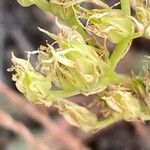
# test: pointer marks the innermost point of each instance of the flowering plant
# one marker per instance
(82, 65)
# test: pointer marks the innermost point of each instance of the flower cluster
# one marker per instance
(77, 64)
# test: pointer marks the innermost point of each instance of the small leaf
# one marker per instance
(51, 35)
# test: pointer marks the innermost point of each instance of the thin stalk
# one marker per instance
(119, 52)
(123, 46)
(61, 94)
(125, 6)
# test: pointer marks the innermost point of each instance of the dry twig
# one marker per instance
(56, 133)
(8, 122)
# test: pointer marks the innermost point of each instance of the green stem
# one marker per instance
(119, 52)
(125, 6)
(106, 122)
(68, 18)
(61, 94)
(66, 15)
(121, 47)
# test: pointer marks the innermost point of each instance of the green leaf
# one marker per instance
(51, 35)
(43, 4)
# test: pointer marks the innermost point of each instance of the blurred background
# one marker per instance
(24, 126)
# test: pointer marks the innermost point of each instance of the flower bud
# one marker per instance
(31, 83)
(124, 103)
(112, 24)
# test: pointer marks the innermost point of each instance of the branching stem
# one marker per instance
(125, 6)
(119, 52)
